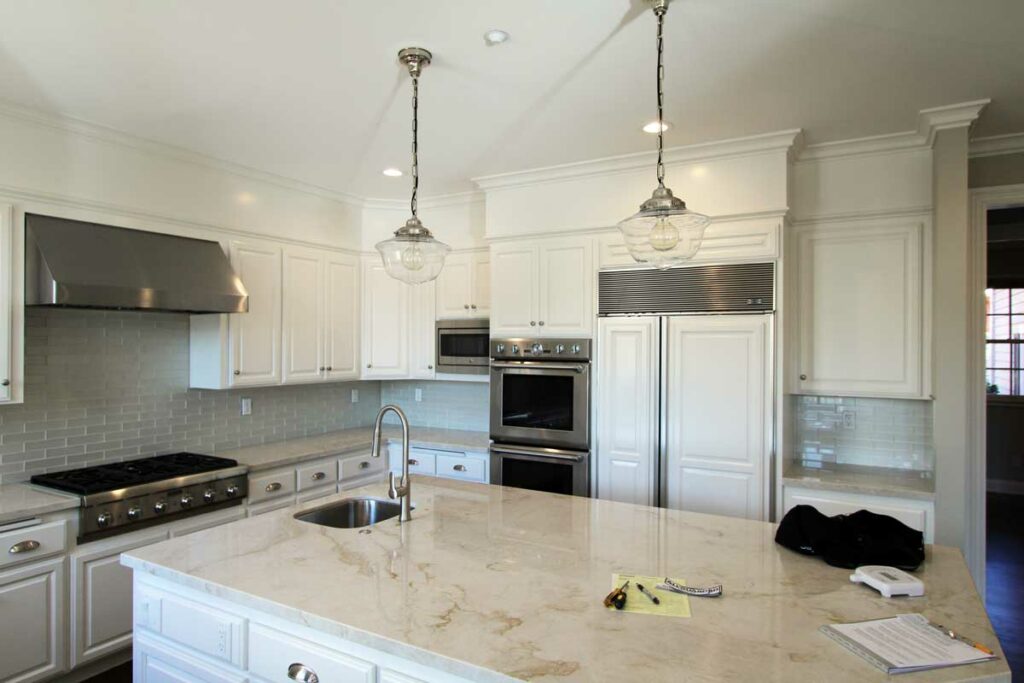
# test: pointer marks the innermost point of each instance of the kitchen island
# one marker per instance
(488, 583)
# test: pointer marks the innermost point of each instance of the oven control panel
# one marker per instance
(540, 349)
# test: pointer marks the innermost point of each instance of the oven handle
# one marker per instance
(520, 365)
(541, 455)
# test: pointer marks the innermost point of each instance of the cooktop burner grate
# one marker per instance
(119, 475)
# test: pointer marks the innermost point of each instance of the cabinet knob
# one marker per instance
(6, 383)
(533, 323)
(322, 368)
(413, 463)
(459, 468)
(317, 476)
(466, 306)
(273, 486)
(23, 547)
(329, 368)
(541, 323)
(369, 365)
(473, 307)
(302, 674)
(363, 465)
(430, 367)
(238, 372)
(803, 377)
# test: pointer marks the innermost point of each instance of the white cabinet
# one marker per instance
(32, 609)
(9, 270)
(303, 315)
(341, 317)
(422, 331)
(717, 410)
(626, 385)
(862, 309)
(543, 288)
(101, 596)
(398, 339)
(256, 335)
(156, 662)
(464, 286)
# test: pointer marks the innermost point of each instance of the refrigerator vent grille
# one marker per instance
(697, 289)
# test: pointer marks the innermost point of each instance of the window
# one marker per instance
(1004, 332)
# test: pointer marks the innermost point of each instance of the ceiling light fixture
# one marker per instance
(656, 127)
(664, 232)
(392, 172)
(413, 255)
(495, 36)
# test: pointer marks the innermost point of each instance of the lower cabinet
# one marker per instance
(464, 465)
(101, 596)
(32, 614)
(156, 662)
(274, 655)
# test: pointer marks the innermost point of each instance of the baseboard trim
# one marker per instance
(1009, 486)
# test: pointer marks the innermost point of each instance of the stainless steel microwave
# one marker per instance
(463, 346)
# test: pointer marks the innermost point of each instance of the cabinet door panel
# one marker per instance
(32, 611)
(566, 288)
(7, 271)
(303, 316)
(454, 293)
(861, 310)
(385, 324)
(514, 288)
(422, 330)
(342, 319)
(256, 335)
(716, 412)
(481, 293)
(627, 404)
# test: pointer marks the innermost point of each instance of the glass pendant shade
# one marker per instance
(664, 232)
(413, 255)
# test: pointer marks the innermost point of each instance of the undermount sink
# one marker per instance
(351, 513)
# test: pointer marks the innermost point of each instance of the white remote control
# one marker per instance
(888, 581)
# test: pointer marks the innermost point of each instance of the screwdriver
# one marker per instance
(617, 597)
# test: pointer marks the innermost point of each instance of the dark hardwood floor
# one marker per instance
(1005, 575)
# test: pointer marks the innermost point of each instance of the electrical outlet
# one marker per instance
(419, 394)
(246, 406)
(355, 396)
(849, 420)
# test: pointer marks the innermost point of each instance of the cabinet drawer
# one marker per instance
(461, 467)
(211, 632)
(317, 474)
(271, 653)
(360, 466)
(420, 461)
(32, 543)
(271, 485)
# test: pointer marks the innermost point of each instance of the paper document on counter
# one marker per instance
(905, 643)
(672, 604)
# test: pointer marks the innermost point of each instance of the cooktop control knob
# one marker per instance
(575, 348)
(134, 513)
(537, 348)
(500, 348)
(231, 491)
(103, 521)
(559, 348)
(515, 348)
(209, 495)
(160, 507)
(186, 500)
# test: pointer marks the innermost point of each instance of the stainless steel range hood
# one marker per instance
(86, 265)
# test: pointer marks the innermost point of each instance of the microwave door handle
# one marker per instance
(536, 366)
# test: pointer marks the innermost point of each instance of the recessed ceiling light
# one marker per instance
(653, 126)
(495, 36)
(392, 172)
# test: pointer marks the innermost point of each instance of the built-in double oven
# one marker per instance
(540, 414)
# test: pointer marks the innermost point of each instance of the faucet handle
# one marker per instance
(392, 491)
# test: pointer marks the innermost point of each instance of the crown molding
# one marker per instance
(434, 202)
(721, 149)
(929, 123)
(997, 145)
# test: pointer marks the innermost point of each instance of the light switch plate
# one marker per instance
(355, 396)
(849, 420)
(246, 406)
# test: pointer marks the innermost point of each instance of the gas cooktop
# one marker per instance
(118, 475)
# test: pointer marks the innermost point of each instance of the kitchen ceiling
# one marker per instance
(312, 90)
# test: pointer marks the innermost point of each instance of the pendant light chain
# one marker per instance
(660, 13)
(415, 142)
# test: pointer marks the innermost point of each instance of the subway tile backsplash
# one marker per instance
(863, 431)
(110, 385)
(449, 405)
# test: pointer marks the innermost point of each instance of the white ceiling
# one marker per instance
(311, 90)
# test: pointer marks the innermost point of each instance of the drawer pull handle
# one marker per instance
(413, 463)
(23, 547)
(363, 465)
(273, 486)
(317, 476)
(459, 468)
(299, 672)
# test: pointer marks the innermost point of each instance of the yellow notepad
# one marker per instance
(672, 604)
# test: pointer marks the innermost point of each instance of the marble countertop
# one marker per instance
(20, 501)
(496, 583)
(284, 453)
(876, 481)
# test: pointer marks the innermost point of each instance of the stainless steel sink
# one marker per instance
(351, 513)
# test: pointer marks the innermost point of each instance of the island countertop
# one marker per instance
(492, 583)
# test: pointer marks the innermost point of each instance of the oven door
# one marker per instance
(541, 404)
(541, 469)
(463, 349)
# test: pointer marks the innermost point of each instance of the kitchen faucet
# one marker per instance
(404, 489)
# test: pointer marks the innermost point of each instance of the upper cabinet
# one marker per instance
(11, 272)
(398, 326)
(302, 325)
(543, 288)
(464, 286)
(861, 309)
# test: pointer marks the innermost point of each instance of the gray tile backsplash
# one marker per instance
(109, 385)
(449, 405)
(863, 431)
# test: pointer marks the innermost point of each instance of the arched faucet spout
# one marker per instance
(403, 490)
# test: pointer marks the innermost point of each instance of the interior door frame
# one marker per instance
(982, 200)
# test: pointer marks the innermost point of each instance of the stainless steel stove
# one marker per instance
(125, 496)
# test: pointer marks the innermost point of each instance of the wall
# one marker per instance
(106, 385)
(450, 405)
(1004, 436)
(456, 220)
(880, 433)
(989, 171)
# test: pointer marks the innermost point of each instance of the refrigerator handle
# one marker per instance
(661, 472)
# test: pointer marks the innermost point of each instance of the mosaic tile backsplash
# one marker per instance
(449, 405)
(110, 385)
(863, 431)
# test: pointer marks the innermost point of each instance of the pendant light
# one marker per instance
(413, 255)
(664, 232)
